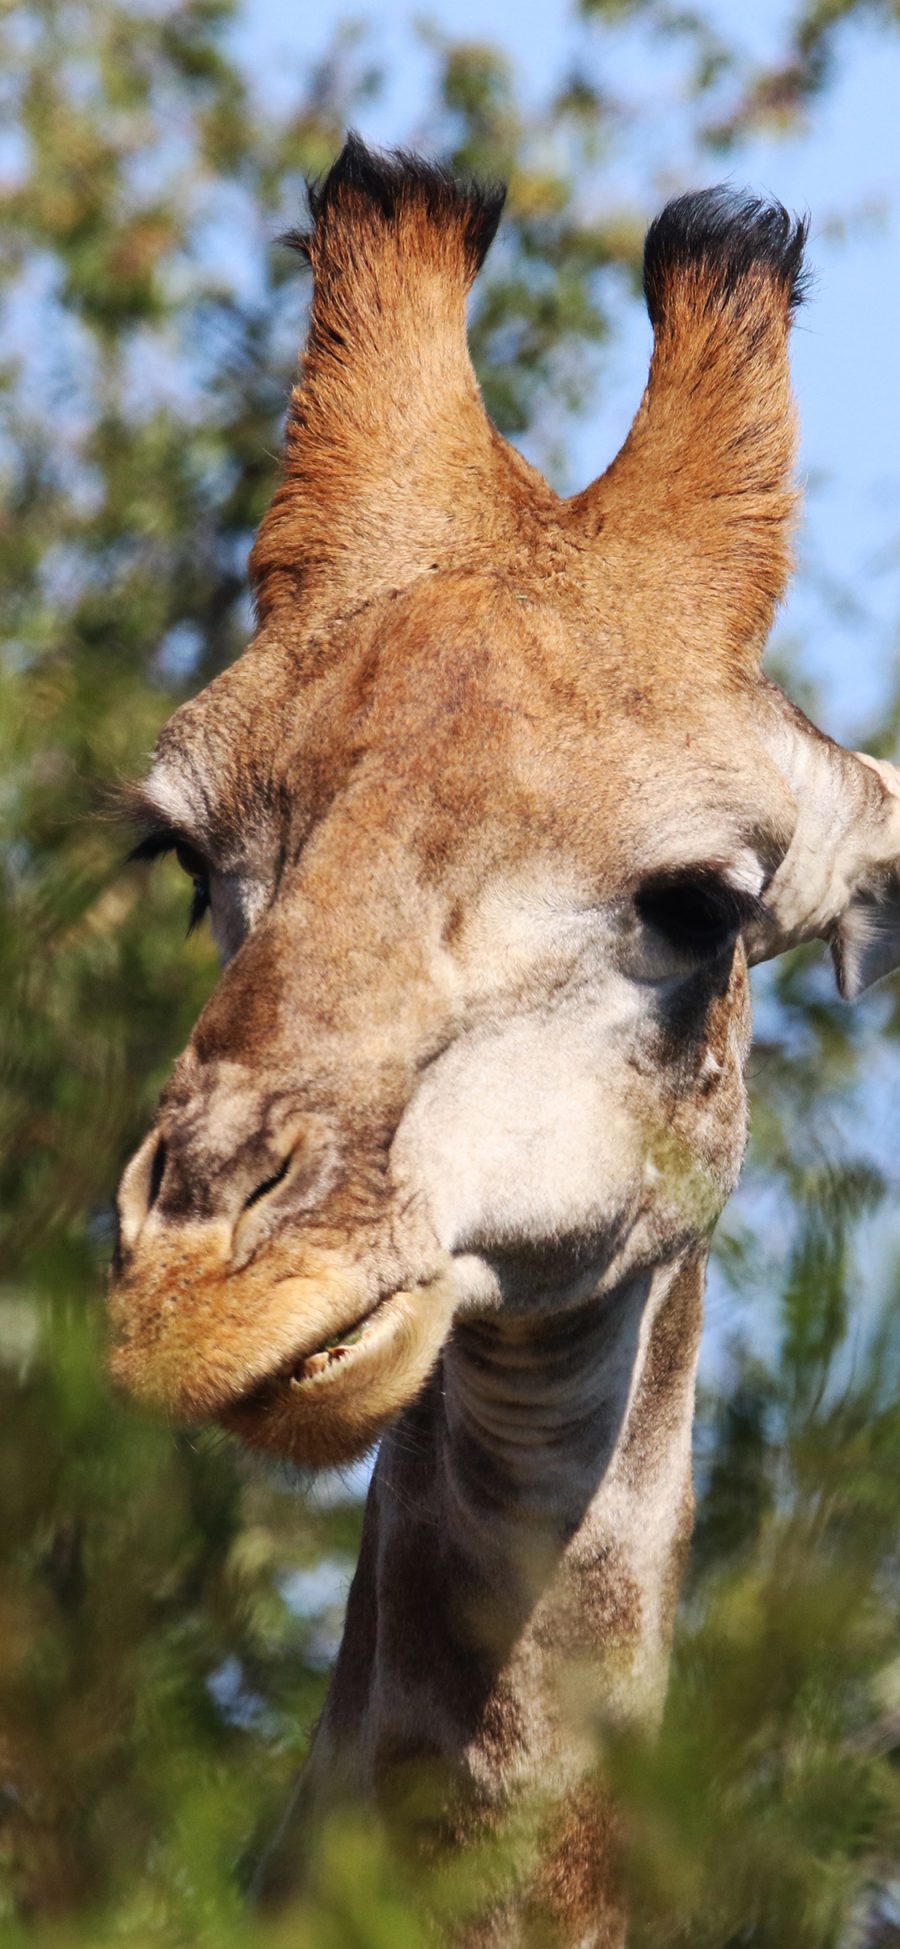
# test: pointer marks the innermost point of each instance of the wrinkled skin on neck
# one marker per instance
(522, 1549)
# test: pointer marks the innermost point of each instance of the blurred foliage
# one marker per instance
(167, 1614)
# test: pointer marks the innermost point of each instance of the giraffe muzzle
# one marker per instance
(239, 1294)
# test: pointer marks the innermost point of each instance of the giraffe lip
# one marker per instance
(335, 1351)
(329, 1406)
(395, 1329)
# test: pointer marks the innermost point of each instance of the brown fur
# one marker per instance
(696, 511)
(389, 457)
(460, 1086)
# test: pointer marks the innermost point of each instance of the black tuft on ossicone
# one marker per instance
(389, 182)
(733, 235)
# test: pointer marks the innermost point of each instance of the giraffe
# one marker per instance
(491, 818)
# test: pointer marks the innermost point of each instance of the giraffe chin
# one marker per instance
(331, 1405)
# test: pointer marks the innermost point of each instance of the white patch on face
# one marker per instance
(170, 794)
(521, 1134)
(534, 1126)
(745, 872)
(548, 1120)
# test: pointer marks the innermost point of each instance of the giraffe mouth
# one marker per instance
(378, 1335)
(314, 1368)
(331, 1404)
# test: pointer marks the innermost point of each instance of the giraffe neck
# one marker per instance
(529, 1505)
(519, 1566)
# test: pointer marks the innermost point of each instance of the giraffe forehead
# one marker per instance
(547, 838)
(460, 705)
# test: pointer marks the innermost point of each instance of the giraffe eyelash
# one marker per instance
(199, 905)
(163, 840)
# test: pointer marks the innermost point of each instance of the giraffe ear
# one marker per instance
(866, 943)
(840, 878)
(694, 517)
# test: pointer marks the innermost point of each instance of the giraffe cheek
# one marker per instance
(524, 1139)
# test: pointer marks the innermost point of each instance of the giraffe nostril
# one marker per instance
(268, 1184)
(157, 1173)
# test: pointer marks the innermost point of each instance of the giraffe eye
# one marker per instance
(197, 871)
(162, 840)
(697, 914)
(189, 860)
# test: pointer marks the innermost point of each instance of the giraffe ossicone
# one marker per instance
(490, 818)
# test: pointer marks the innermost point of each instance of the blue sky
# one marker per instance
(846, 165)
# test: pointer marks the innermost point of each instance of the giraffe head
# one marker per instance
(489, 819)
